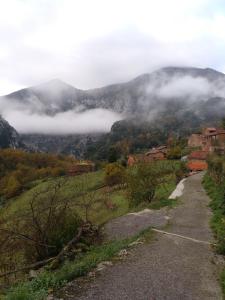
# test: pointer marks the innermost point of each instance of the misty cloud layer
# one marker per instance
(186, 86)
(90, 121)
(42, 110)
(57, 108)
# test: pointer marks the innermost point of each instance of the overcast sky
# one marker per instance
(91, 43)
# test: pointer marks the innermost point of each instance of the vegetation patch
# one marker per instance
(216, 193)
(37, 225)
(47, 281)
(218, 219)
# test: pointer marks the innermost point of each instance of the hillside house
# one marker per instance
(81, 168)
(197, 161)
(211, 140)
(196, 140)
(158, 153)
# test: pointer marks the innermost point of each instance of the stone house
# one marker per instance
(211, 140)
(158, 153)
(81, 168)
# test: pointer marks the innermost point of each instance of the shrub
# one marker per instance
(217, 194)
(181, 172)
(174, 153)
(114, 174)
(142, 182)
(216, 166)
(13, 187)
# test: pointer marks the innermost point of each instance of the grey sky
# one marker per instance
(94, 43)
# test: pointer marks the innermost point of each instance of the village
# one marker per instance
(200, 145)
(210, 140)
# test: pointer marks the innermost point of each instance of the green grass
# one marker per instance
(218, 218)
(163, 193)
(38, 288)
(101, 214)
(171, 203)
(161, 198)
(95, 180)
(222, 280)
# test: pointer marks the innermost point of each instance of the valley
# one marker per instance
(84, 206)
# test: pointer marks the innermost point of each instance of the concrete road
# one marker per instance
(168, 268)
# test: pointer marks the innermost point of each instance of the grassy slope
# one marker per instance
(101, 215)
(218, 219)
(95, 180)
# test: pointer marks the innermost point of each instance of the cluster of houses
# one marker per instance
(210, 140)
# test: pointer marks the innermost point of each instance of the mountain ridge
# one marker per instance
(163, 69)
(171, 99)
(141, 94)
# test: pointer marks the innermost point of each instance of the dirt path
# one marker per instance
(170, 267)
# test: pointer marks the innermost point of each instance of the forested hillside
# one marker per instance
(18, 168)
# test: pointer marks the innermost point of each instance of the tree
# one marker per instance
(174, 153)
(113, 155)
(13, 187)
(143, 181)
(181, 172)
(87, 199)
(45, 225)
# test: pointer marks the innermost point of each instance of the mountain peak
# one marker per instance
(55, 83)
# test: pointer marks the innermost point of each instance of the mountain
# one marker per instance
(49, 98)
(138, 96)
(175, 100)
(9, 138)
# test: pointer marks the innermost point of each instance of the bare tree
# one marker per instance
(89, 199)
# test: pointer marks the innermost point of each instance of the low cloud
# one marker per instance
(186, 86)
(95, 120)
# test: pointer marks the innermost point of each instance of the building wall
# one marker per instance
(80, 168)
(196, 140)
(221, 138)
(156, 156)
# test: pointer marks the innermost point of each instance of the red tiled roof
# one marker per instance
(197, 165)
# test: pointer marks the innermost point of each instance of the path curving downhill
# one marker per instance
(168, 268)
